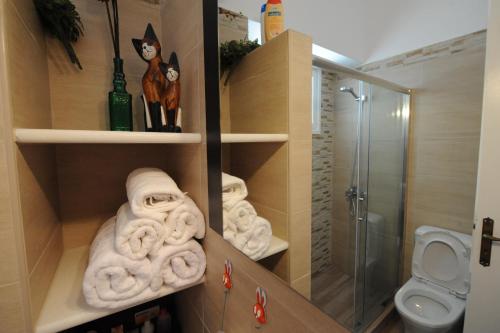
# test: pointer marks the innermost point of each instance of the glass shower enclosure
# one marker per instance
(365, 128)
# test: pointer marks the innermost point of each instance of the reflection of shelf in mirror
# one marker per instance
(277, 245)
(64, 305)
(38, 136)
(260, 137)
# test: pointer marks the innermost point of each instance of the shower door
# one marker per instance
(379, 212)
(359, 173)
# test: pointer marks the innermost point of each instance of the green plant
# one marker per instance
(232, 52)
(60, 19)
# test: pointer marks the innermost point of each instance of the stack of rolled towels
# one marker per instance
(249, 233)
(148, 247)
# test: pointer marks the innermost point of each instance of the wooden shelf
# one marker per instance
(260, 137)
(277, 245)
(40, 136)
(65, 306)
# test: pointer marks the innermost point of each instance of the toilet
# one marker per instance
(433, 300)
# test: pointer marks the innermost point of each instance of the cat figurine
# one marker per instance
(153, 81)
(171, 95)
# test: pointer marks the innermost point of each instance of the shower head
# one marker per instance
(346, 89)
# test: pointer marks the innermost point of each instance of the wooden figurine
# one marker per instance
(153, 81)
(171, 96)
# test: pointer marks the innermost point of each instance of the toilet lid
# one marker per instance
(441, 257)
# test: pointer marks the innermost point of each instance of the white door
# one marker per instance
(482, 314)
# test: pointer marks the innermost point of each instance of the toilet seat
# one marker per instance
(441, 257)
(455, 307)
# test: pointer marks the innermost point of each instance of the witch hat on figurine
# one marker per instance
(172, 94)
(153, 81)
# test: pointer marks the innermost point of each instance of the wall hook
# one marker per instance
(228, 284)
(259, 309)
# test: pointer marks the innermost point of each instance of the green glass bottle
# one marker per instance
(120, 101)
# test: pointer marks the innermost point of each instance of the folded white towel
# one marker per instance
(253, 242)
(183, 223)
(178, 265)
(111, 279)
(233, 190)
(136, 237)
(242, 215)
(151, 192)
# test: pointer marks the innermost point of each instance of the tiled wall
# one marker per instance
(447, 83)
(322, 172)
(26, 74)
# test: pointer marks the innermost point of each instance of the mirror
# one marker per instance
(315, 157)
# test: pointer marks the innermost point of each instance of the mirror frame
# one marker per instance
(212, 109)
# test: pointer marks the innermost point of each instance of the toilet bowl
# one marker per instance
(433, 300)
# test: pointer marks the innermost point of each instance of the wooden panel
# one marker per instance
(79, 98)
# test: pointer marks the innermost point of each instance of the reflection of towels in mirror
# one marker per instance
(234, 189)
(245, 230)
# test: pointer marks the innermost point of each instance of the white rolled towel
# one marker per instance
(234, 189)
(254, 242)
(136, 237)
(241, 215)
(111, 279)
(183, 223)
(178, 265)
(151, 192)
(229, 228)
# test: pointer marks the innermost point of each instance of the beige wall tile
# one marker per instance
(263, 112)
(79, 98)
(444, 138)
(264, 167)
(278, 219)
(279, 264)
(26, 11)
(43, 272)
(300, 244)
(39, 197)
(181, 16)
(11, 309)
(303, 286)
(264, 72)
(299, 93)
(300, 166)
(32, 111)
(9, 271)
